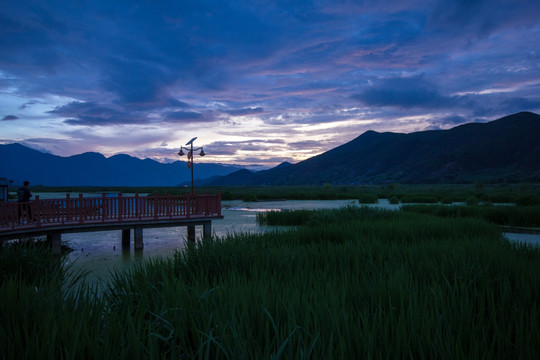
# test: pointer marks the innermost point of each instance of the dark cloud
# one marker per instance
(92, 114)
(135, 81)
(480, 18)
(177, 103)
(404, 92)
(184, 117)
(74, 108)
(245, 111)
(29, 104)
(9, 117)
(516, 104)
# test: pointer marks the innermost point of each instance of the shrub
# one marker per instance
(393, 200)
(528, 200)
(368, 199)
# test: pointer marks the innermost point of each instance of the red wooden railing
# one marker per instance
(107, 209)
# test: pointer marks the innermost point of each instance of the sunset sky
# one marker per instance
(258, 82)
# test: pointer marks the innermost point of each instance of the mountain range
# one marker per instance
(19, 163)
(503, 150)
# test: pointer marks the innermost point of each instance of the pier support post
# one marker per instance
(126, 234)
(55, 239)
(138, 238)
(207, 230)
(191, 233)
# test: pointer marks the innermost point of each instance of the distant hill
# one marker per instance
(504, 150)
(20, 163)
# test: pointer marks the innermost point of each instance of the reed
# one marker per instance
(526, 216)
(346, 283)
(29, 260)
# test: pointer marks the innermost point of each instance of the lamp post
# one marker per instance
(190, 156)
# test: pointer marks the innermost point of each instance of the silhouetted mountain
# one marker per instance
(19, 163)
(283, 165)
(507, 149)
(235, 178)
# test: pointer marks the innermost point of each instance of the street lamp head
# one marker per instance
(202, 152)
(181, 153)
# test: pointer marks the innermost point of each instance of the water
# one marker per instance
(101, 252)
(530, 239)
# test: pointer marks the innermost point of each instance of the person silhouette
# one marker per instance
(23, 198)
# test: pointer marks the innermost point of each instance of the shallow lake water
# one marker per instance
(99, 253)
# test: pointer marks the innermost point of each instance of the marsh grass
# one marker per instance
(30, 261)
(347, 283)
(526, 216)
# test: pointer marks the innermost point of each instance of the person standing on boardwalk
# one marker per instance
(23, 198)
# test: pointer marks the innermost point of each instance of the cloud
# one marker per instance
(480, 18)
(235, 147)
(9, 118)
(405, 93)
(177, 103)
(29, 104)
(245, 111)
(446, 122)
(516, 104)
(184, 117)
(92, 114)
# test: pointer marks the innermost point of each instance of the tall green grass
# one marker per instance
(347, 283)
(526, 216)
(29, 261)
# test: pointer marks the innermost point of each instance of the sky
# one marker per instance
(257, 82)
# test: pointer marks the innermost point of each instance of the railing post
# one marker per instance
(195, 206)
(137, 213)
(80, 207)
(188, 205)
(206, 204)
(37, 211)
(218, 202)
(168, 205)
(155, 206)
(120, 207)
(104, 206)
(67, 210)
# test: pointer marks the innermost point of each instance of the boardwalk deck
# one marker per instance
(52, 217)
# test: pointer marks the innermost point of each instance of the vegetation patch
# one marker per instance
(346, 283)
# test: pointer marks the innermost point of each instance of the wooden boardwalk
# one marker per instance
(52, 217)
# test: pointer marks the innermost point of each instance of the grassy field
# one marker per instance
(347, 283)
